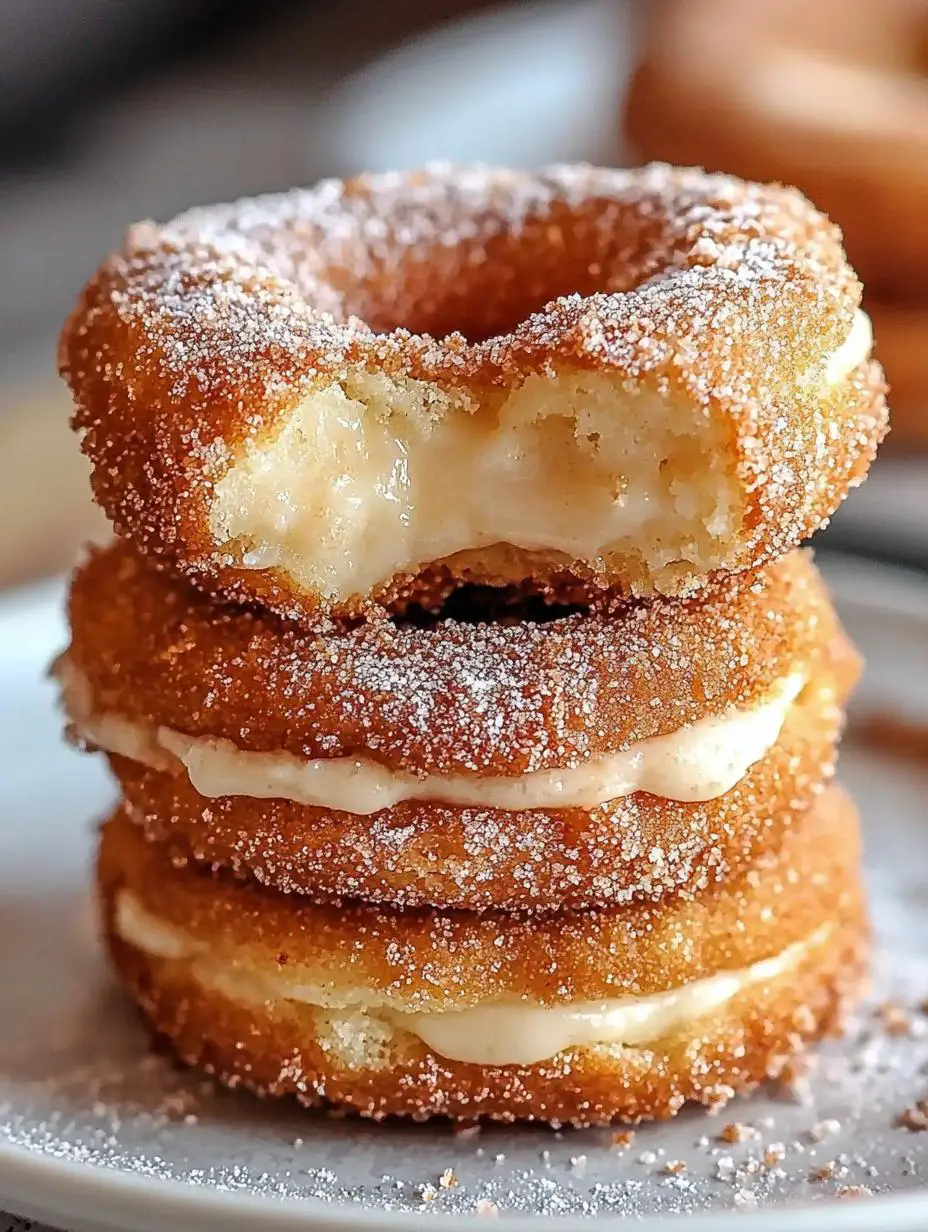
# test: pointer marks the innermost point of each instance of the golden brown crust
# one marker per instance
(275, 1052)
(206, 333)
(275, 1048)
(416, 854)
(495, 698)
(416, 960)
(901, 331)
(768, 90)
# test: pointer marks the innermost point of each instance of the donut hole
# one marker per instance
(477, 305)
(473, 604)
(484, 290)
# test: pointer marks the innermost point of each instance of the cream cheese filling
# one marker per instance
(372, 477)
(504, 1032)
(698, 762)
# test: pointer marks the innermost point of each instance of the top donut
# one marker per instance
(364, 393)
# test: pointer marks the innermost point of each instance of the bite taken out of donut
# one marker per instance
(360, 395)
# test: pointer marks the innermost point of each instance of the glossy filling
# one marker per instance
(510, 1032)
(698, 762)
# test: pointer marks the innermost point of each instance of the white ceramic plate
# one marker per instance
(97, 1134)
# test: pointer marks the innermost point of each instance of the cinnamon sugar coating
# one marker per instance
(414, 854)
(454, 697)
(195, 347)
(435, 960)
(414, 961)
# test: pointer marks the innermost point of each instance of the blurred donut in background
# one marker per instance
(901, 333)
(830, 96)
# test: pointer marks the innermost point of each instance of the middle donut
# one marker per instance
(616, 753)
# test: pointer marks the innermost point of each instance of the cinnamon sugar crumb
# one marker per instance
(824, 1129)
(895, 1018)
(825, 1173)
(795, 1075)
(622, 1141)
(915, 1117)
(774, 1154)
(853, 1191)
(448, 1180)
(736, 1131)
(674, 1167)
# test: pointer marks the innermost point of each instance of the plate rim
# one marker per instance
(115, 1205)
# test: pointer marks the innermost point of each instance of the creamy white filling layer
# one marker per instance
(508, 1032)
(697, 762)
(373, 476)
(852, 352)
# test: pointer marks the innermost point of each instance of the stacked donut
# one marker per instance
(472, 708)
(831, 96)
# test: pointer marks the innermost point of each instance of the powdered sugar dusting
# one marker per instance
(491, 697)
(207, 332)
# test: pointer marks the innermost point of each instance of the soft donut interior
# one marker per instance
(377, 474)
(374, 477)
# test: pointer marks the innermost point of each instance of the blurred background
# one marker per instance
(113, 111)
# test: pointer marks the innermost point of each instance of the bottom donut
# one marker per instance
(582, 1017)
